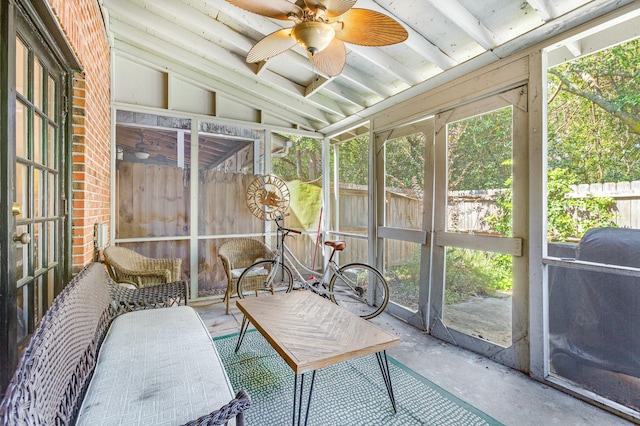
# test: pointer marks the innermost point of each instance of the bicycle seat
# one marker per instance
(336, 245)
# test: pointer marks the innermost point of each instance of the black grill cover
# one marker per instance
(595, 316)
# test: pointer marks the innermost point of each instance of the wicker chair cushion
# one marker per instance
(235, 273)
(182, 379)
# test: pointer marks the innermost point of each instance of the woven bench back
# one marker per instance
(59, 360)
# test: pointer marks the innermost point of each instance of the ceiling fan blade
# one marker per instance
(277, 9)
(333, 7)
(330, 60)
(369, 28)
(271, 45)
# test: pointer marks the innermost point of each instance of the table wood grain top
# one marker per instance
(309, 332)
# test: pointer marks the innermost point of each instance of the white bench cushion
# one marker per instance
(156, 367)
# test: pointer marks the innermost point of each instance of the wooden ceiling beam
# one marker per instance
(318, 83)
(415, 41)
(544, 9)
(463, 19)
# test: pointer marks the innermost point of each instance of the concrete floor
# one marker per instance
(505, 394)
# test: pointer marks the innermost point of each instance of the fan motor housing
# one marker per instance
(313, 36)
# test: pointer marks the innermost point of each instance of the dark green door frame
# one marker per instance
(33, 17)
(8, 313)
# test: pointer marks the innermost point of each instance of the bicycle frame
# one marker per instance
(285, 256)
(359, 288)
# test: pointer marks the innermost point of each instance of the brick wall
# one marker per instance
(83, 24)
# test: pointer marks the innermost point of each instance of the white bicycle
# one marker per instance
(357, 287)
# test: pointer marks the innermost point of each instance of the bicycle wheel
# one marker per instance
(360, 289)
(264, 277)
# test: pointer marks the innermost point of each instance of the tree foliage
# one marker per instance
(301, 161)
(404, 162)
(353, 159)
(594, 137)
(570, 217)
(594, 115)
(479, 151)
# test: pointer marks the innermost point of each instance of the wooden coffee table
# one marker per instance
(309, 332)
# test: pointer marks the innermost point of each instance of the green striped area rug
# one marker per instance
(349, 393)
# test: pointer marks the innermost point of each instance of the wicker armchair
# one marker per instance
(128, 267)
(235, 256)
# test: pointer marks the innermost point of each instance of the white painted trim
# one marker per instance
(325, 223)
(538, 286)
(193, 232)
(512, 246)
(417, 236)
(179, 114)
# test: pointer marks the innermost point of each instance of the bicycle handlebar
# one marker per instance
(280, 219)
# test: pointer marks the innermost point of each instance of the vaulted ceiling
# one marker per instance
(212, 38)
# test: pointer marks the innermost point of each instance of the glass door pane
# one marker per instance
(39, 252)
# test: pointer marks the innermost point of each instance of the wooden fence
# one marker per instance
(469, 210)
(154, 201)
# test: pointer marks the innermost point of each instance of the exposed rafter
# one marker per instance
(544, 9)
(462, 18)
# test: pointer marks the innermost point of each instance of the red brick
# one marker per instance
(83, 25)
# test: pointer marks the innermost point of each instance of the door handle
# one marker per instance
(22, 238)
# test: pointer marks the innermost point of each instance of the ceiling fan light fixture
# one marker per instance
(141, 155)
(313, 36)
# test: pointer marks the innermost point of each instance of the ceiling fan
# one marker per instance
(143, 149)
(321, 28)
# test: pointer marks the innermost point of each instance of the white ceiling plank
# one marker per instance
(543, 8)
(366, 83)
(431, 52)
(346, 94)
(415, 40)
(232, 16)
(377, 58)
(460, 16)
(194, 20)
(140, 18)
